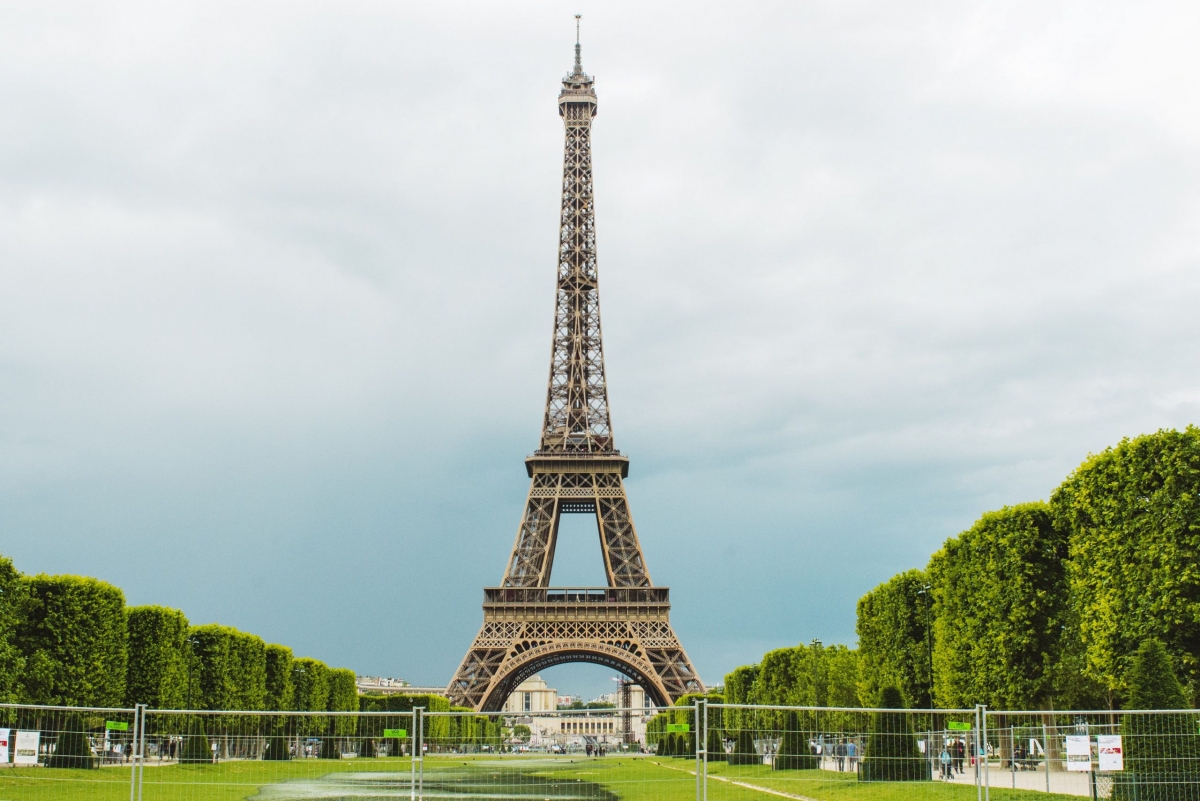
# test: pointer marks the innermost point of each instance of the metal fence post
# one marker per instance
(416, 749)
(141, 749)
(700, 715)
(975, 748)
(133, 754)
(987, 778)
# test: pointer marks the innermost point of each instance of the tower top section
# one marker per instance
(578, 93)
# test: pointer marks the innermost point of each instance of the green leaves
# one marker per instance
(157, 672)
(73, 642)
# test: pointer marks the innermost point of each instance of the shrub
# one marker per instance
(892, 754)
(714, 747)
(743, 750)
(278, 748)
(1162, 755)
(794, 753)
(196, 748)
(72, 748)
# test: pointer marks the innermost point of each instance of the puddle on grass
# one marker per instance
(486, 782)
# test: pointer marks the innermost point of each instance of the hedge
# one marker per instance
(73, 641)
(279, 686)
(12, 604)
(157, 673)
(229, 668)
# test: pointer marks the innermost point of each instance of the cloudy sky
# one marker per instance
(278, 281)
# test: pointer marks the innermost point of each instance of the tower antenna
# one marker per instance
(578, 62)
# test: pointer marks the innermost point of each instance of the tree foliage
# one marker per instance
(895, 639)
(229, 668)
(13, 593)
(1162, 751)
(1000, 594)
(892, 754)
(279, 687)
(343, 697)
(73, 643)
(157, 672)
(1134, 516)
(71, 747)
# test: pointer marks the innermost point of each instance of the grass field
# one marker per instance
(484, 778)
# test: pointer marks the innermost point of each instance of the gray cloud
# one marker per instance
(277, 298)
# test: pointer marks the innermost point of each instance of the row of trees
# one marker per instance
(805, 675)
(1044, 605)
(70, 640)
(1036, 606)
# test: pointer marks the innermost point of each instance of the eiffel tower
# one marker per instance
(527, 624)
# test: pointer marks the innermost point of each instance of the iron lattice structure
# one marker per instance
(529, 625)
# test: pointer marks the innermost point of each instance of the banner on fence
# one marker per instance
(678, 728)
(395, 734)
(1079, 753)
(27, 747)
(3, 745)
(1111, 756)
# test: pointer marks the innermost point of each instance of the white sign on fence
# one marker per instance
(1079, 753)
(1111, 755)
(3, 745)
(27, 747)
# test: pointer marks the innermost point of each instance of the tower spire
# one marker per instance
(578, 60)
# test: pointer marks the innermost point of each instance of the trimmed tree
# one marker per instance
(892, 754)
(280, 693)
(72, 748)
(1134, 516)
(894, 636)
(196, 748)
(157, 673)
(1000, 597)
(73, 641)
(310, 678)
(1162, 755)
(12, 608)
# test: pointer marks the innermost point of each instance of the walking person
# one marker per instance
(945, 760)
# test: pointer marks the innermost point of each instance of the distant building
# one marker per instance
(379, 685)
(535, 704)
(531, 697)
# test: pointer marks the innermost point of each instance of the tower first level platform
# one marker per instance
(527, 629)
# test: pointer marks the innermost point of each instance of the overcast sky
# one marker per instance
(278, 283)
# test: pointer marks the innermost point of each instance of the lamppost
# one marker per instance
(190, 642)
(927, 592)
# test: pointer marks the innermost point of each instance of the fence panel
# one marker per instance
(596, 754)
(202, 755)
(818, 752)
(66, 753)
(1128, 755)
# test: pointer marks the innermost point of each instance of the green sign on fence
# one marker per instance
(678, 728)
(954, 725)
(116, 725)
(395, 734)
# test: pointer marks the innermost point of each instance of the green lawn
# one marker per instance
(487, 778)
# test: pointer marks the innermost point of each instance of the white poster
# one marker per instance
(3, 745)
(1111, 756)
(27, 747)
(1079, 753)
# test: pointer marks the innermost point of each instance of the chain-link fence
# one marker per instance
(703, 752)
